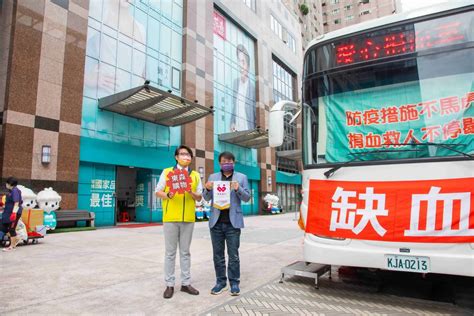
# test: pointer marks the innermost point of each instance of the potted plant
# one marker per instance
(304, 9)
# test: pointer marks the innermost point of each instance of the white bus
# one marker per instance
(388, 143)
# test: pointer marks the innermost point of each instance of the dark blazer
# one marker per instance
(235, 212)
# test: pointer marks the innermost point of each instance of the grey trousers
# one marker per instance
(178, 233)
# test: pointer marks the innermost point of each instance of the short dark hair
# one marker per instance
(227, 155)
(12, 181)
(176, 152)
(241, 49)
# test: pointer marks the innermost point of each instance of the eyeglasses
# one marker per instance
(184, 154)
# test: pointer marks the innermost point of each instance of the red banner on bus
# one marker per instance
(430, 211)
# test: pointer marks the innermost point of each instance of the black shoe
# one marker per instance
(168, 292)
(189, 289)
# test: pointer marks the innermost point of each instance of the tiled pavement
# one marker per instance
(120, 271)
(298, 296)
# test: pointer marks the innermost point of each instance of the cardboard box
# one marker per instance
(32, 218)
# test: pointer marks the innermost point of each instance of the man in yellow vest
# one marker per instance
(178, 220)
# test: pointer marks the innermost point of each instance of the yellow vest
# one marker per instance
(182, 207)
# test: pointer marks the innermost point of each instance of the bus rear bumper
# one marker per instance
(454, 259)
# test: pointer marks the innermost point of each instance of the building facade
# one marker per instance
(341, 13)
(60, 57)
(311, 22)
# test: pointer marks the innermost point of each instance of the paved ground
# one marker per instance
(120, 271)
(334, 297)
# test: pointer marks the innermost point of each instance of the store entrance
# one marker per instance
(136, 202)
(126, 188)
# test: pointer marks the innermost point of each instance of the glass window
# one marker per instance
(152, 69)
(111, 14)
(120, 52)
(155, 4)
(165, 40)
(164, 74)
(139, 27)
(291, 43)
(176, 43)
(95, 9)
(291, 199)
(176, 79)
(124, 80)
(124, 57)
(284, 200)
(250, 4)
(93, 43)
(283, 90)
(166, 9)
(126, 20)
(106, 83)
(137, 80)
(108, 49)
(153, 29)
(276, 27)
(177, 14)
(139, 62)
(91, 77)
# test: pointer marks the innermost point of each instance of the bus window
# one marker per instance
(382, 109)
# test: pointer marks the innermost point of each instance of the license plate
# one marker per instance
(407, 263)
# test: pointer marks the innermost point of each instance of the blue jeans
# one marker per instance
(221, 234)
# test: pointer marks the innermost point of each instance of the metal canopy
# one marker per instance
(255, 138)
(154, 105)
(290, 154)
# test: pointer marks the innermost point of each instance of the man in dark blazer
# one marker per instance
(225, 225)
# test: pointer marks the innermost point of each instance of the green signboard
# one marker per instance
(389, 120)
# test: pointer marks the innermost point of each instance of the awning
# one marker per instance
(290, 154)
(154, 105)
(255, 138)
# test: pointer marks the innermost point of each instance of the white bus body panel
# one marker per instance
(445, 258)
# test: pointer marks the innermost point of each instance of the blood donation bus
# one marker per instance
(388, 142)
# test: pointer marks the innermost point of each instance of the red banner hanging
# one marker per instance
(431, 211)
(219, 25)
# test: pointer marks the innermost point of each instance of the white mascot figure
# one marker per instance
(29, 202)
(199, 210)
(48, 201)
(206, 206)
(272, 201)
(28, 197)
